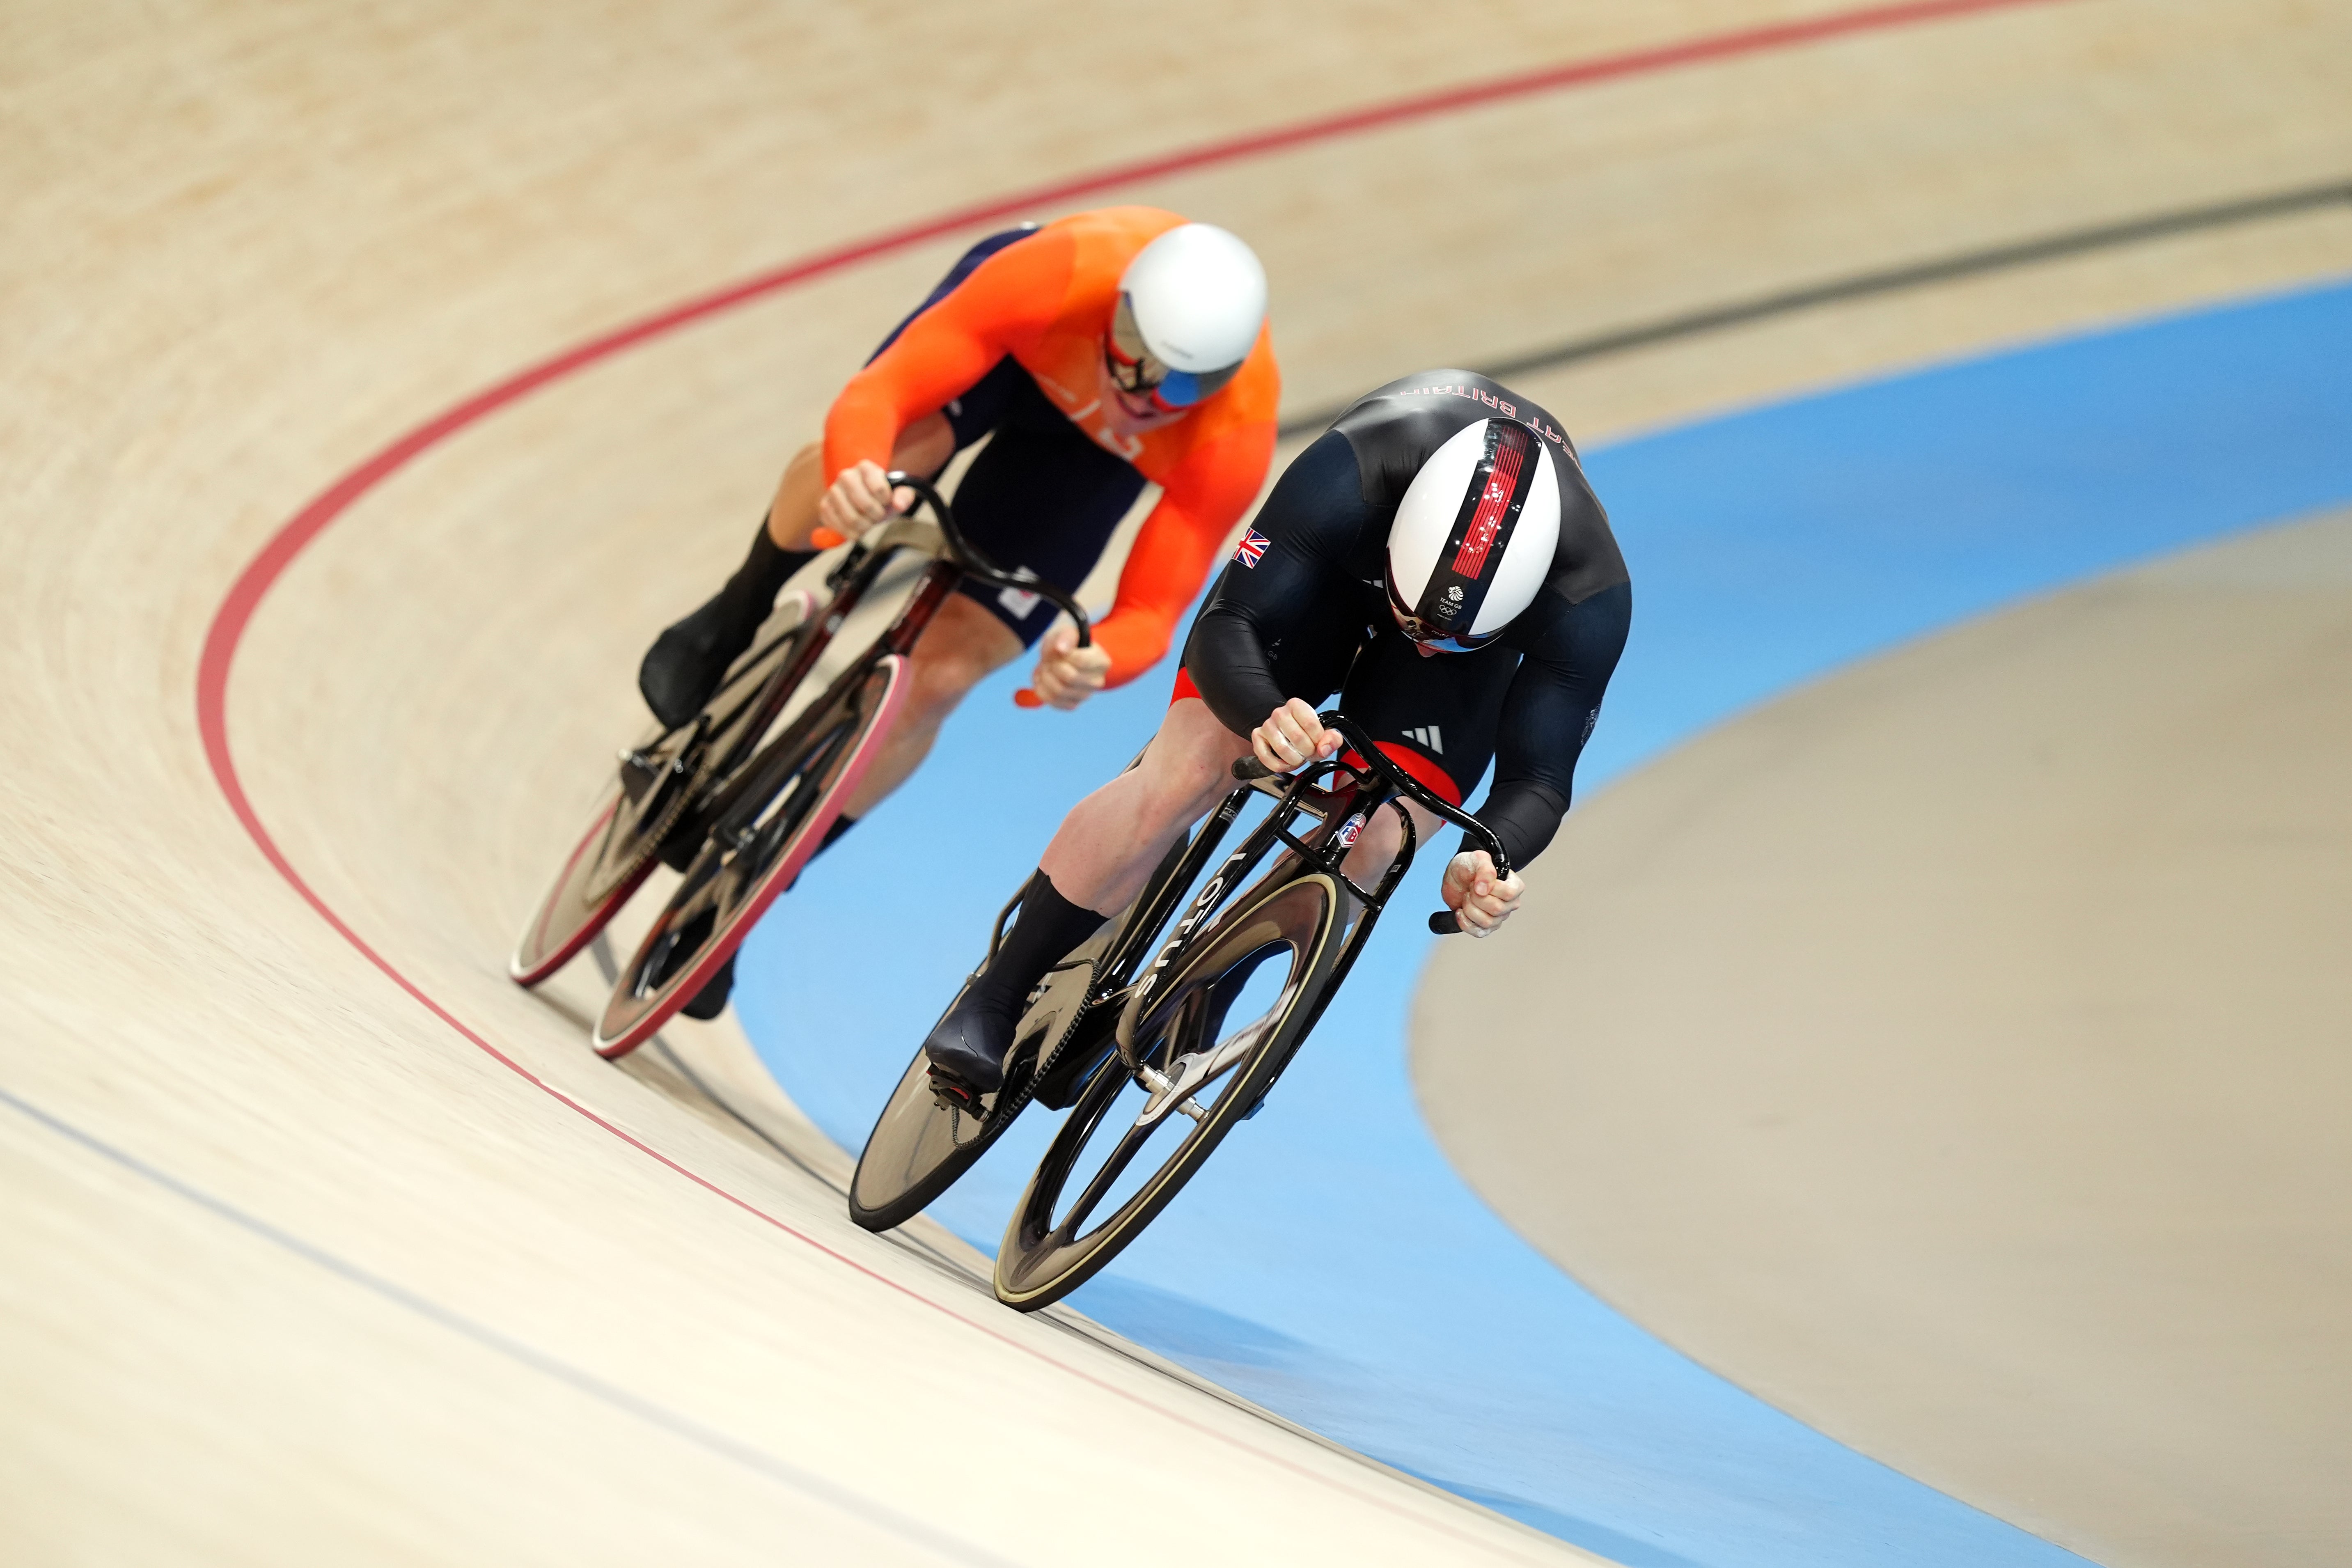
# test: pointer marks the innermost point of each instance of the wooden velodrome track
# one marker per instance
(321, 1241)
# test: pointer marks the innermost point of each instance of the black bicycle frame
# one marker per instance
(850, 581)
(1375, 783)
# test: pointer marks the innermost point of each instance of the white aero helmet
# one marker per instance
(1473, 537)
(1190, 305)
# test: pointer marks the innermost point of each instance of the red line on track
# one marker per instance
(244, 595)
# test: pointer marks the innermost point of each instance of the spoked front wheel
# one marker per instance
(1192, 1063)
(753, 854)
(657, 784)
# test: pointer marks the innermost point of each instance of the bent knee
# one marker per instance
(1182, 794)
(942, 670)
(935, 686)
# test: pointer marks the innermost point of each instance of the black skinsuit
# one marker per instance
(1304, 614)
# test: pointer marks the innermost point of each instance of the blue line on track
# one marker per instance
(816, 1488)
(1329, 1264)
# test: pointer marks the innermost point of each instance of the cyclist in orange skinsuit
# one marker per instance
(1101, 351)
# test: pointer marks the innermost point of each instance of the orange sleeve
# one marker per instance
(1199, 505)
(1009, 299)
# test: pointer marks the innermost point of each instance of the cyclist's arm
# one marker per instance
(1198, 507)
(1009, 300)
(1316, 513)
(1566, 659)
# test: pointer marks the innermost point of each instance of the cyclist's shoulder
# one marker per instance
(1396, 427)
(1063, 279)
(1028, 282)
(1101, 241)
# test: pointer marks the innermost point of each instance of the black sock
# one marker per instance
(1048, 928)
(752, 591)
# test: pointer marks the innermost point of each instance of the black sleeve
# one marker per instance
(1567, 654)
(1310, 522)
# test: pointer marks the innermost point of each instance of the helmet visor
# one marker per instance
(1139, 373)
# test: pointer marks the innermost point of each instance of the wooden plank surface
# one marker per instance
(296, 1270)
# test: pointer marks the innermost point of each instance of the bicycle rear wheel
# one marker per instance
(1209, 1077)
(657, 780)
(801, 783)
(921, 1144)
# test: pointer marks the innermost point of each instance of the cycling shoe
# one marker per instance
(968, 1045)
(687, 661)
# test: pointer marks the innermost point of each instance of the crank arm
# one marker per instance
(1193, 1069)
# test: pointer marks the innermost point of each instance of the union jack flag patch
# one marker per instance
(1253, 548)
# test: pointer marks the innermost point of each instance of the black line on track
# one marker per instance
(806, 1482)
(1864, 285)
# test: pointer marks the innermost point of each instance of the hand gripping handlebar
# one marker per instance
(1445, 922)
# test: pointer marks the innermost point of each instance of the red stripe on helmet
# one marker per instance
(1479, 541)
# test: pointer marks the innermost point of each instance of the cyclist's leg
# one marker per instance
(1040, 495)
(1107, 847)
(961, 647)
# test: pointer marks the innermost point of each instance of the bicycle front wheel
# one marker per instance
(1184, 1076)
(742, 870)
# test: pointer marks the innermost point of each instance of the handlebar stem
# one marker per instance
(1249, 769)
(968, 558)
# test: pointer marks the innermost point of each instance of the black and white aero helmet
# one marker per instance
(1473, 537)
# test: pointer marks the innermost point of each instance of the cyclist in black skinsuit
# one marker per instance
(1438, 559)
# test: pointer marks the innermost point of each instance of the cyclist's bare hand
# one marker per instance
(860, 498)
(1480, 899)
(1291, 737)
(1067, 674)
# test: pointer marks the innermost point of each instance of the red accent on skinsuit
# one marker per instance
(1422, 772)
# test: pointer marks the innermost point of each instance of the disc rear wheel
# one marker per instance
(923, 1141)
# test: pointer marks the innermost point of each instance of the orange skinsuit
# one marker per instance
(1047, 301)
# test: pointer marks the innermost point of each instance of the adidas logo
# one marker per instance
(1427, 736)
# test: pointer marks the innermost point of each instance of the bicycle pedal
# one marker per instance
(953, 1094)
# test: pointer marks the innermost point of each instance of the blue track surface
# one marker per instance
(1328, 1264)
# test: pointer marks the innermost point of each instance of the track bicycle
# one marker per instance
(1103, 1033)
(740, 798)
